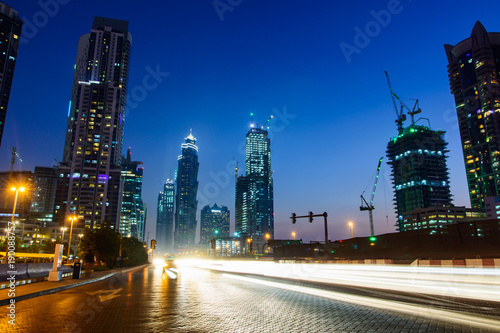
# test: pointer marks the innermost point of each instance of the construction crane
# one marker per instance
(267, 122)
(369, 206)
(400, 116)
(13, 159)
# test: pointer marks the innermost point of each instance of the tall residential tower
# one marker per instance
(186, 203)
(10, 35)
(89, 175)
(473, 71)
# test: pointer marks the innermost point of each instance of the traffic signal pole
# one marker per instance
(294, 217)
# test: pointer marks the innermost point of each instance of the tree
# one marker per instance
(50, 246)
(133, 252)
(102, 243)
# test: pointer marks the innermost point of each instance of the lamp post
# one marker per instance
(267, 242)
(249, 241)
(351, 225)
(71, 218)
(17, 189)
(293, 235)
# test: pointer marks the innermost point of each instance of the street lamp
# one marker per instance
(268, 236)
(71, 218)
(293, 235)
(17, 189)
(351, 225)
(63, 230)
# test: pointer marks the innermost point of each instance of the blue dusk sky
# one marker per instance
(317, 66)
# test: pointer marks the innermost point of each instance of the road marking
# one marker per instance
(103, 298)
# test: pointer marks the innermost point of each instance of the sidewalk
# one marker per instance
(26, 291)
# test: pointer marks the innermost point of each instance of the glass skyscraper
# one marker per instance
(186, 203)
(89, 175)
(10, 35)
(254, 191)
(132, 222)
(165, 218)
(473, 71)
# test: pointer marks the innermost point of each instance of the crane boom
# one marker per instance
(369, 206)
(400, 116)
(13, 159)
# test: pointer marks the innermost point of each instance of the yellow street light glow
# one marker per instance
(13, 188)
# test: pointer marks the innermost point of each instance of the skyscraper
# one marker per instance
(419, 172)
(214, 222)
(254, 191)
(10, 35)
(132, 222)
(473, 71)
(165, 218)
(186, 203)
(90, 173)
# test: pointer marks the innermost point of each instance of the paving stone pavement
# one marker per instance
(202, 301)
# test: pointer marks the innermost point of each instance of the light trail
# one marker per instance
(471, 283)
(416, 310)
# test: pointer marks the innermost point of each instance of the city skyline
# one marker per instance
(290, 65)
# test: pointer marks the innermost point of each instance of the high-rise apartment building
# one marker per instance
(90, 174)
(132, 221)
(214, 223)
(10, 35)
(473, 71)
(44, 194)
(254, 191)
(165, 218)
(186, 203)
(419, 172)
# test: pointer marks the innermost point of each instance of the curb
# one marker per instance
(68, 286)
(54, 290)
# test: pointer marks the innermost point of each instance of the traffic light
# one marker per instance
(251, 246)
(294, 217)
(153, 244)
(310, 217)
(213, 243)
(372, 240)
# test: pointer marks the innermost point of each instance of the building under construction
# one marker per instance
(418, 160)
(419, 172)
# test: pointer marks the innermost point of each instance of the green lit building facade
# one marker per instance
(420, 177)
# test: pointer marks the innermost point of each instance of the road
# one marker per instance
(208, 301)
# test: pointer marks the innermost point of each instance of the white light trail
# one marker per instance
(471, 283)
(416, 310)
